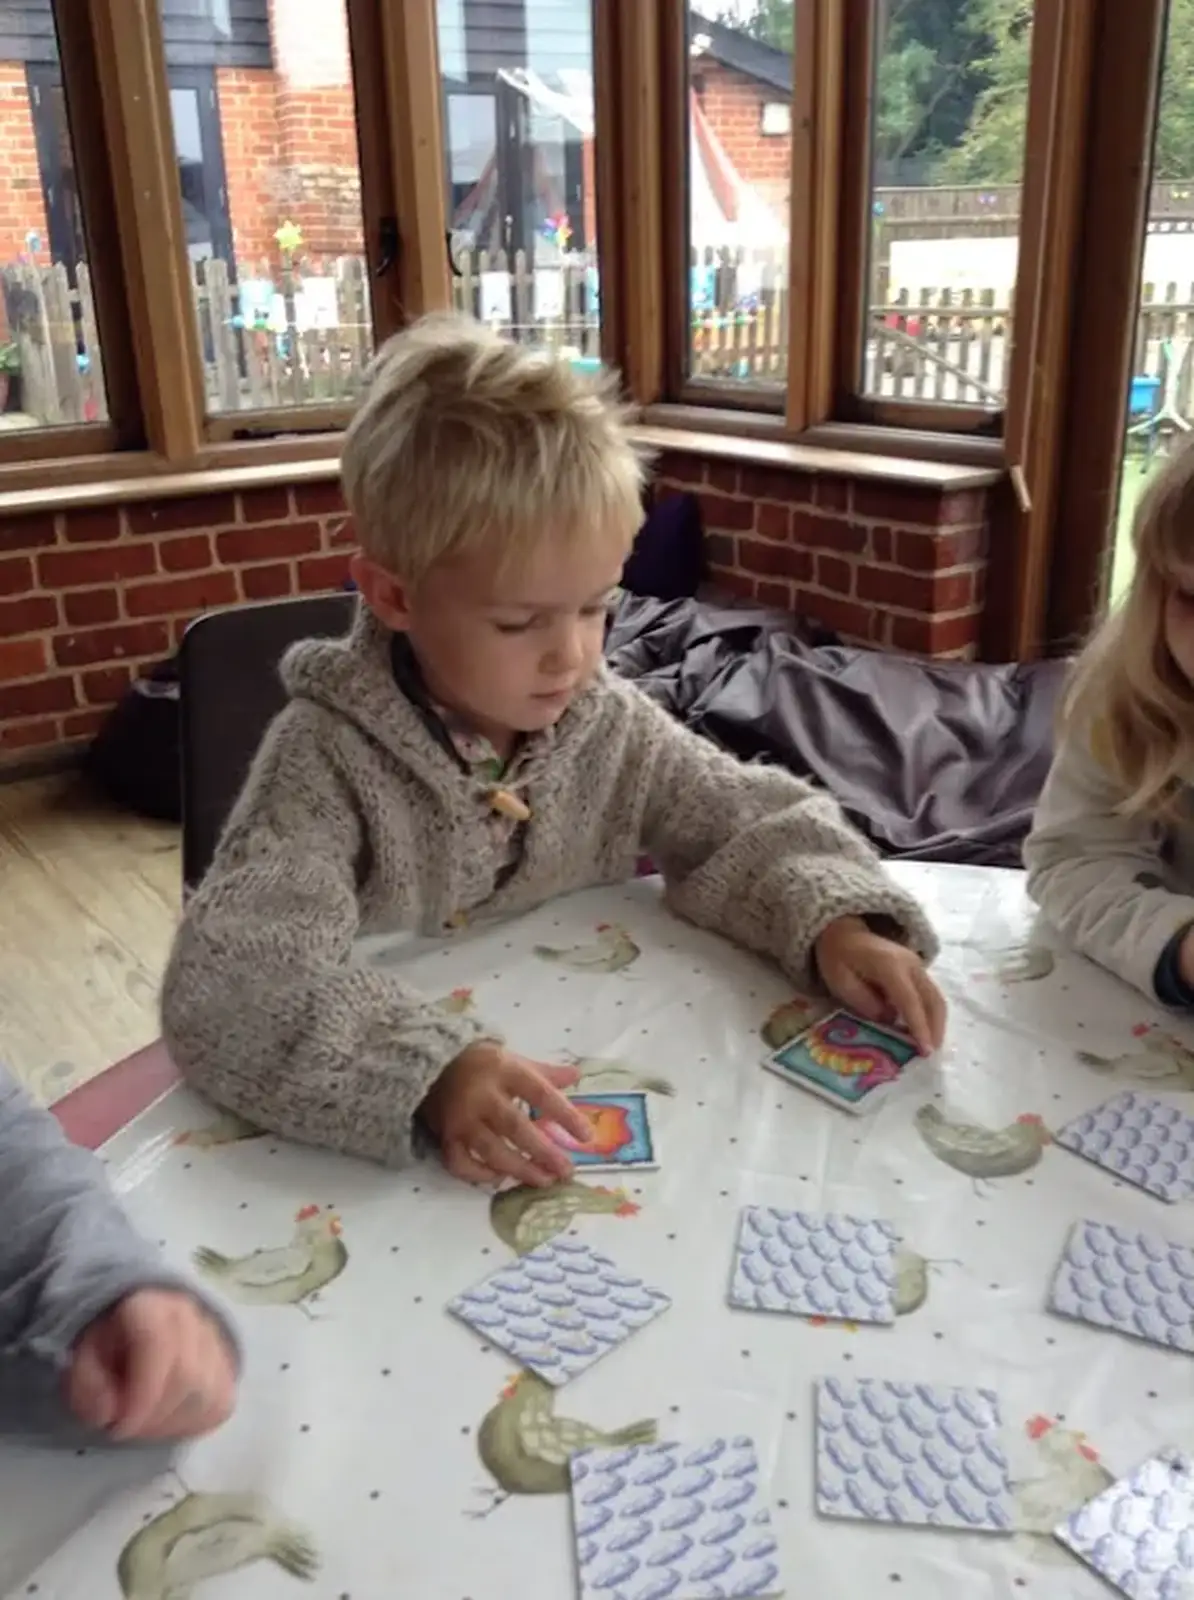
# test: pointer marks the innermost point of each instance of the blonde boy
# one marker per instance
(465, 753)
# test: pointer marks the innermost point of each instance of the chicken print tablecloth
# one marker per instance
(382, 1448)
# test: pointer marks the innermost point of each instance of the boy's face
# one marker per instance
(509, 652)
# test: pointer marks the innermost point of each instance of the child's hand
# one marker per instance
(881, 980)
(156, 1366)
(484, 1134)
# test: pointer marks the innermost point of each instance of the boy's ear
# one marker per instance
(383, 593)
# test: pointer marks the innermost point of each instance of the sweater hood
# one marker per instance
(353, 677)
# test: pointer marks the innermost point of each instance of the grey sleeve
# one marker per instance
(262, 1008)
(68, 1253)
(758, 855)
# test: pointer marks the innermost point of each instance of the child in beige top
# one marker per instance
(465, 753)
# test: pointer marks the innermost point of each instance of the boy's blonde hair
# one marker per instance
(1129, 698)
(467, 443)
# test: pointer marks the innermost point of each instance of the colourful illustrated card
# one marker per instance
(845, 1060)
(621, 1137)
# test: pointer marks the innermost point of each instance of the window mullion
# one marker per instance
(819, 161)
(131, 73)
(1127, 85)
(409, 40)
(1058, 111)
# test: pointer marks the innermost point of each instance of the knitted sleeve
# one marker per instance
(262, 1009)
(757, 855)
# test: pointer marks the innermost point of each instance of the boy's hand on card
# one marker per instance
(881, 980)
(156, 1366)
(474, 1110)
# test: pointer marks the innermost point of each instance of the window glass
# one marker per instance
(265, 139)
(739, 184)
(1160, 401)
(947, 160)
(51, 366)
(521, 176)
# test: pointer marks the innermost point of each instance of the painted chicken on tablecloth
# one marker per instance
(1067, 1474)
(1160, 1057)
(980, 1152)
(612, 951)
(525, 1447)
(227, 1128)
(1020, 963)
(288, 1275)
(207, 1536)
(611, 1075)
(525, 1217)
(794, 1017)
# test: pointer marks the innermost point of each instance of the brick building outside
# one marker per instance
(262, 104)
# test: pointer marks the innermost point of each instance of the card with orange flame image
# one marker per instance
(621, 1132)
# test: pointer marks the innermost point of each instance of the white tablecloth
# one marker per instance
(359, 1421)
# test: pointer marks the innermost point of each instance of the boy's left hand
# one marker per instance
(881, 980)
(155, 1366)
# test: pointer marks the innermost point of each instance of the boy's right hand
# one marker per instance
(484, 1134)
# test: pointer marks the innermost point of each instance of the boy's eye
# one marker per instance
(515, 627)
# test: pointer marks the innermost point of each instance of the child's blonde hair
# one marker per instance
(466, 442)
(1129, 698)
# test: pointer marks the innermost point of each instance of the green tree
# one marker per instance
(1174, 155)
(929, 54)
(927, 75)
(991, 150)
(770, 21)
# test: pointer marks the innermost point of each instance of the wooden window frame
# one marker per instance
(1081, 186)
(115, 79)
(1126, 86)
(38, 451)
(829, 236)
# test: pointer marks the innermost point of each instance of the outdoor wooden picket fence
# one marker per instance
(294, 346)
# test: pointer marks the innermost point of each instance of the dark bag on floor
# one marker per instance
(135, 756)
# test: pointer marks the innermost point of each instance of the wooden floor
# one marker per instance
(89, 897)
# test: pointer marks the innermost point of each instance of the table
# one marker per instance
(360, 1414)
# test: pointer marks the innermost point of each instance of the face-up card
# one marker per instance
(1139, 1533)
(622, 1134)
(1141, 1139)
(1136, 1283)
(682, 1520)
(814, 1266)
(845, 1060)
(911, 1453)
(559, 1308)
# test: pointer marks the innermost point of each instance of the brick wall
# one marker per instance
(89, 598)
(879, 563)
(252, 159)
(22, 208)
(734, 104)
(319, 175)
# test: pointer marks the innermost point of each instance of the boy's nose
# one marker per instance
(568, 653)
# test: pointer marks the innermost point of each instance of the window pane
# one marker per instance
(1160, 402)
(947, 148)
(265, 137)
(51, 371)
(739, 180)
(521, 185)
